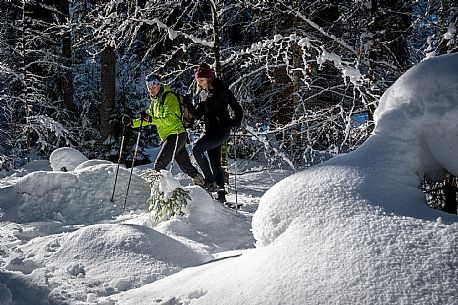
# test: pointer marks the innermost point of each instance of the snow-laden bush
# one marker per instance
(66, 159)
(167, 197)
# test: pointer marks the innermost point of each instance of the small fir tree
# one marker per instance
(167, 197)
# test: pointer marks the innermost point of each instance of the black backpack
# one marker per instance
(187, 108)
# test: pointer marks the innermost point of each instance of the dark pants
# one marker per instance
(171, 146)
(211, 143)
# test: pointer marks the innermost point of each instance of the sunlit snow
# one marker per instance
(353, 230)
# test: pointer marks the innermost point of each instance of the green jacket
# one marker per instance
(165, 115)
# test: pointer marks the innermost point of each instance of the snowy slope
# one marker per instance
(353, 230)
(356, 229)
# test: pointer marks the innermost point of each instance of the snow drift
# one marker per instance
(356, 229)
(64, 242)
(386, 171)
(71, 196)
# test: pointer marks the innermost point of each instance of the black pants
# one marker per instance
(211, 143)
(171, 145)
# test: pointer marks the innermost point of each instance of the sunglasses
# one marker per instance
(153, 82)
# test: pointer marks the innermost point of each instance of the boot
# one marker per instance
(221, 196)
(198, 180)
(211, 186)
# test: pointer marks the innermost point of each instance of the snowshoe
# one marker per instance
(210, 187)
(221, 196)
(198, 180)
(232, 205)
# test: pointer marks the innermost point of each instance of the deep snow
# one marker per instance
(353, 230)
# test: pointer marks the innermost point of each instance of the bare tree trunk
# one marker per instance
(374, 26)
(284, 101)
(26, 88)
(107, 90)
(390, 22)
(67, 79)
(443, 8)
(450, 194)
(216, 42)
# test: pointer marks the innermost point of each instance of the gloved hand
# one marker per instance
(126, 120)
(145, 116)
(196, 99)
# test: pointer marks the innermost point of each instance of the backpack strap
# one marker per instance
(163, 96)
(162, 101)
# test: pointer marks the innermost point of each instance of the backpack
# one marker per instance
(187, 108)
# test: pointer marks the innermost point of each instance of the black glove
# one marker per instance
(196, 99)
(145, 116)
(126, 120)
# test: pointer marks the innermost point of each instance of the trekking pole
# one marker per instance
(133, 162)
(119, 160)
(235, 170)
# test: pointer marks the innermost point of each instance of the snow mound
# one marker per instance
(66, 159)
(92, 249)
(356, 260)
(75, 197)
(33, 166)
(201, 225)
(89, 163)
(107, 258)
(427, 119)
(425, 98)
(6, 298)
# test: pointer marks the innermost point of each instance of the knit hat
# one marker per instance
(204, 71)
(153, 79)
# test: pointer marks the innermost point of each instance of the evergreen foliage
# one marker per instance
(164, 205)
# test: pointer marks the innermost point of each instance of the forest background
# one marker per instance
(307, 73)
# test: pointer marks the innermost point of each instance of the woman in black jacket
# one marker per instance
(215, 98)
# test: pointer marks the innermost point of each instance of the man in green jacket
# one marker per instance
(165, 114)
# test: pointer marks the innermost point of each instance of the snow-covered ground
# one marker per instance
(353, 230)
(63, 241)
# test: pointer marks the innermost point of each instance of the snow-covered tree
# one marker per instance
(33, 69)
(304, 72)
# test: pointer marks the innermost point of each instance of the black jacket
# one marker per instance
(215, 110)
